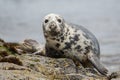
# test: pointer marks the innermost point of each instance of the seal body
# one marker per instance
(71, 41)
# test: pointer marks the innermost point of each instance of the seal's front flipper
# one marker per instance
(96, 63)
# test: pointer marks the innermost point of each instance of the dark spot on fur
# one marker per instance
(72, 42)
(78, 47)
(57, 45)
(58, 39)
(61, 52)
(60, 34)
(75, 30)
(91, 43)
(70, 37)
(78, 34)
(73, 39)
(53, 38)
(61, 41)
(87, 49)
(67, 30)
(85, 42)
(62, 38)
(50, 52)
(68, 45)
(66, 34)
(76, 38)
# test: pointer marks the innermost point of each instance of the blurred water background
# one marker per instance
(21, 19)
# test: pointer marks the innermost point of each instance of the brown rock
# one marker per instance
(36, 67)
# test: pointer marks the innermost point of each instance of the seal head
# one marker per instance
(53, 25)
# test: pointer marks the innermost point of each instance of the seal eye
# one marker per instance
(59, 20)
(46, 20)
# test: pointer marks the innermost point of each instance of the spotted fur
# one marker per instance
(66, 40)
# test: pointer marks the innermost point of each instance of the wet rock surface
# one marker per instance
(18, 61)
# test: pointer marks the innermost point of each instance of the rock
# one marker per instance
(11, 59)
(16, 65)
(115, 76)
(9, 71)
(30, 46)
(60, 69)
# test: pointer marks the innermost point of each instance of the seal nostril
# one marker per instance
(53, 27)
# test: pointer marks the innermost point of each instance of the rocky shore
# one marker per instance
(27, 61)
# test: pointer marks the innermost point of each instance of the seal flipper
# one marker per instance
(96, 63)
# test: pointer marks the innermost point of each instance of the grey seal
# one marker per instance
(71, 41)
